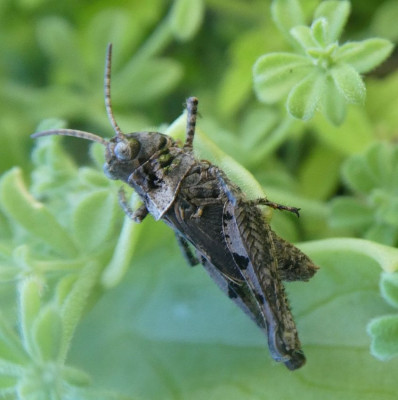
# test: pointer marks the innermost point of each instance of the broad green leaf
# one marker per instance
(93, 219)
(336, 14)
(195, 330)
(47, 333)
(186, 17)
(364, 56)
(17, 202)
(275, 74)
(287, 14)
(304, 97)
(384, 333)
(349, 83)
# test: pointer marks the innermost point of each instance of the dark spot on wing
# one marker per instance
(231, 292)
(227, 216)
(260, 298)
(242, 261)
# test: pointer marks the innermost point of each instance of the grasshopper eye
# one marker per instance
(123, 151)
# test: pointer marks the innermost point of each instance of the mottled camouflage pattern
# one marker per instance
(230, 236)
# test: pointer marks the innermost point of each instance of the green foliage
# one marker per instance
(373, 178)
(383, 330)
(97, 307)
(321, 74)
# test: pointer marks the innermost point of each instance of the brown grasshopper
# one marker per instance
(230, 236)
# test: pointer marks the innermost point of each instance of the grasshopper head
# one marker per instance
(123, 153)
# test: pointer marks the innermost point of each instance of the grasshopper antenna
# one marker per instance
(107, 89)
(71, 132)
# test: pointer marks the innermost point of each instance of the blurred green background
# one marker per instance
(119, 297)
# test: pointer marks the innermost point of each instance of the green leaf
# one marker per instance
(376, 168)
(358, 175)
(17, 202)
(319, 173)
(347, 212)
(388, 212)
(304, 98)
(364, 56)
(74, 303)
(236, 84)
(75, 376)
(56, 37)
(287, 14)
(332, 102)
(11, 349)
(186, 18)
(384, 20)
(352, 136)
(94, 178)
(54, 166)
(303, 36)
(382, 160)
(349, 83)
(389, 288)
(384, 334)
(94, 218)
(275, 74)
(123, 252)
(336, 14)
(30, 292)
(382, 233)
(225, 348)
(150, 79)
(7, 384)
(47, 333)
(319, 29)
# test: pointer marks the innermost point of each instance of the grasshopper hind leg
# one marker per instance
(293, 264)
